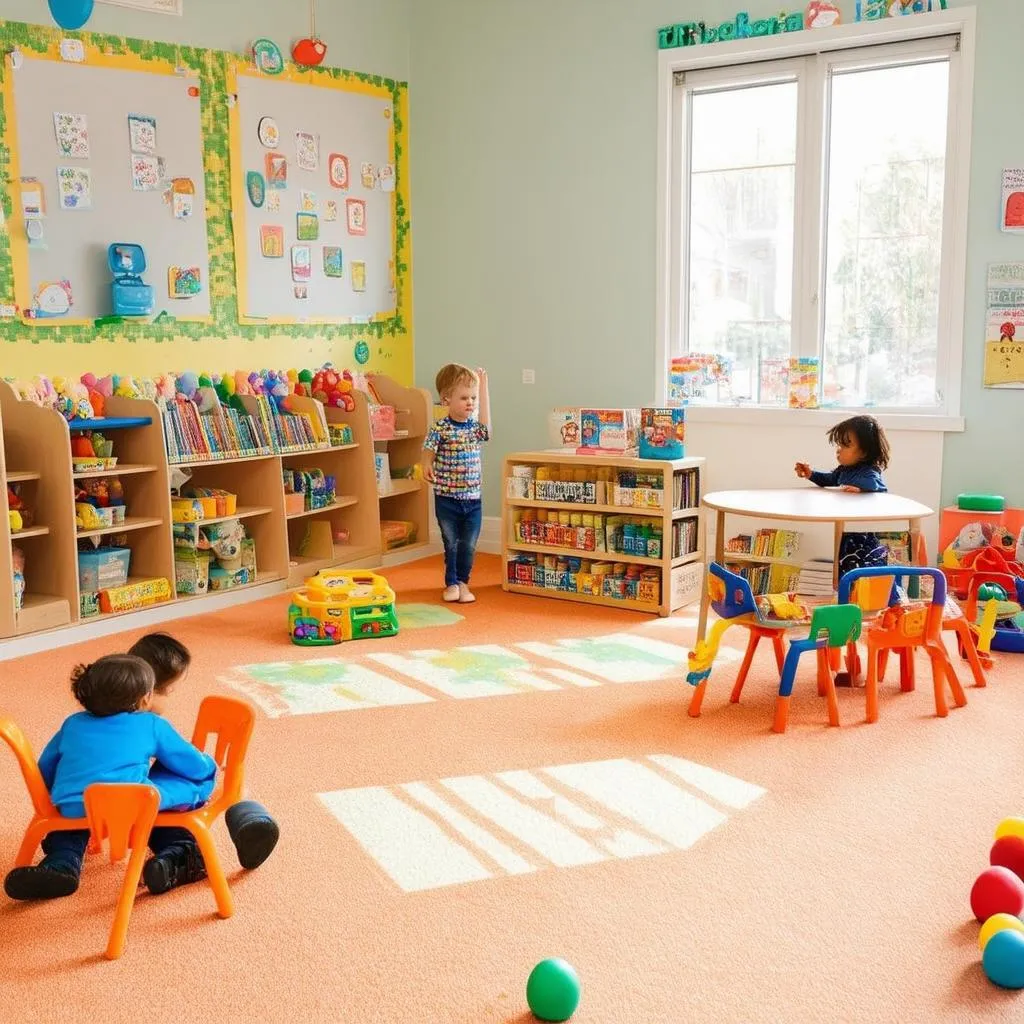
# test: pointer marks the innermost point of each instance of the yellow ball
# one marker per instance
(1010, 827)
(998, 923)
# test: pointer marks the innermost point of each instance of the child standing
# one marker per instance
(451, 462)
(177, 859)
(862, 451)
(114, 739)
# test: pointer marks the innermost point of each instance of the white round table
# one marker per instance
(809, 504)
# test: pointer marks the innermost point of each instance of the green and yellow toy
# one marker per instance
(336, 606)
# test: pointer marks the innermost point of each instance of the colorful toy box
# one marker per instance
(564, 428)
(336, 606)
(103, 568)
(662, 433)
(614, 431)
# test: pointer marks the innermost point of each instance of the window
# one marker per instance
(815, 212)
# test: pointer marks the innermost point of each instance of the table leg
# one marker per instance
(837, 541)
(915, 540)
(705, 597)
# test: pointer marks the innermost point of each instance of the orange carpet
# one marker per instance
(840, 894)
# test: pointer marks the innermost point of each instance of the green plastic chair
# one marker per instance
(834, 626)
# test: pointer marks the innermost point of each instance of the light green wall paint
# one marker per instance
(534, 189)
(361, 35)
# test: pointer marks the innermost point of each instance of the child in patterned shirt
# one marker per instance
(451, 462)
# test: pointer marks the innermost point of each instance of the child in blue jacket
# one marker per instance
(115, 739)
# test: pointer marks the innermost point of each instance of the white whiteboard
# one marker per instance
(353, 124)
(76, 241)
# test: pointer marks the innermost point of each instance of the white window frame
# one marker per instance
(725, 61)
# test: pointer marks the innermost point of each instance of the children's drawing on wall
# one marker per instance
(142, 134)
(145, 173)
(255, 188)
(277, 170)
(1004, 326)
(307, 150)
(368, 173)
(74, 188)
(355, 212)
(333, 266)
(307, 201)
(301, 263)
(307, 227)
(52, 299)
(272, 241)
(337, 170)
(184, 282)
(358, 276)
(330, 210)
(268, 134)
(822, 14)
(301, 291)
(1013, 199)
(182, 198)
(72, 131)
(386, 177)
(273, 201)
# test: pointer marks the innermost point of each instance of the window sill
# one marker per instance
(737, 415)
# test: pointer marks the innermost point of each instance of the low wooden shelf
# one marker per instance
(676, 587)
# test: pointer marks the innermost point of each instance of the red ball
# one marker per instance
(1008, 852)
(997, 891)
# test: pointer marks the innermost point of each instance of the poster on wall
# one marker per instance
(1004, 326)
(1011, 214)
(150, 6)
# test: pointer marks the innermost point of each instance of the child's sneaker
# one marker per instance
(253, 831)
(466, 596)
(452, 593)
(41, 882)
(179, 864)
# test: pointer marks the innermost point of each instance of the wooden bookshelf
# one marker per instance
(676, 590)
(36, 454)
(407, 499)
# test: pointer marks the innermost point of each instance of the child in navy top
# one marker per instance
(862, 451)
(451, 462)
(115, 739)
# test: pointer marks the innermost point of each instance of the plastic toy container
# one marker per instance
(103, 568)
(130, 295)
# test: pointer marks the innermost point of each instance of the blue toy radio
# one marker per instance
(132, 296)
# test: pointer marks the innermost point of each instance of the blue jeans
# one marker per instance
(460, 521)
(65, 851)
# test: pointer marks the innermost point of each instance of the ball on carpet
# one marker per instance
(998, 923)
(1003, 959)
(1008, 852)
(997, 891)
(553, 990)
(1010, 827)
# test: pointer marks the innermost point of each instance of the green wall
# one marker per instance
(533, 185)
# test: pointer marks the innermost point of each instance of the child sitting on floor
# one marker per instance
(115, 739)
(177, 859)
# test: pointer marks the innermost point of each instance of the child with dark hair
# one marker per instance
(862, 451)
(115, 739)
(177, 859)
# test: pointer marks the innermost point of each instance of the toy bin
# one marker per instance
(103, 568)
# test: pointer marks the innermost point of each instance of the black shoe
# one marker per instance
(253, 831)
(179, 864)
(40, 883)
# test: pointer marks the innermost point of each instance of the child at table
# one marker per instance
(114, 739)
(862, 453)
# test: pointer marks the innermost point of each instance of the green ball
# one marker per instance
(553, 990)
(991, 592)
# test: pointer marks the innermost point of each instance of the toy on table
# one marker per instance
(769, 616)
(336, 606)
(130, 295)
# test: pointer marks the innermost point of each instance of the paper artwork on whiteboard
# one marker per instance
(72, 131)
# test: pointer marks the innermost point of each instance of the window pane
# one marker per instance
(887, 152)
(742, 172)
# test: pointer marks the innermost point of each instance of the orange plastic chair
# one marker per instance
(122, 813)
(45, 817)
(231, 721)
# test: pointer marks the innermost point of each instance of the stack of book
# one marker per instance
(816, 578)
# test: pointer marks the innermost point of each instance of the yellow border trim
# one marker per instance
(321, 79)
(17, 238)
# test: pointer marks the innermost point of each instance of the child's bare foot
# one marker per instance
(451, 593)
(466, 596)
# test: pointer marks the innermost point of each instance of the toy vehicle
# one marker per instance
(336, 606)
(130, 294)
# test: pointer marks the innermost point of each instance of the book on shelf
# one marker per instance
(767, 579)
(685, 537)
(686, 489)
(815, 578)
(767, 543)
